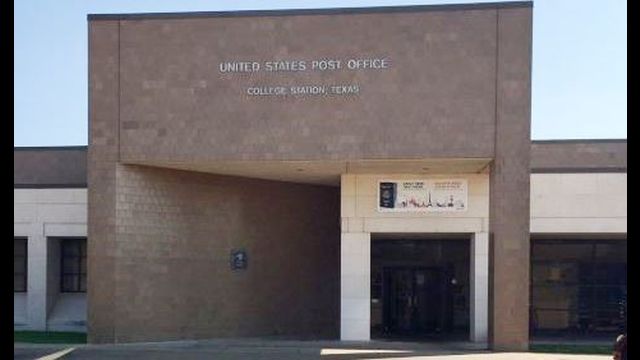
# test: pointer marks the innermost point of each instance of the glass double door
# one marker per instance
(415, 301)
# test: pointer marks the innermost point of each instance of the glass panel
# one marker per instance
(83, 247)
(18, 265)
(376, 285)
(70, 248)
(555, 297)
(615, 251)
(83, 283)
(70, 283)
(83, 265)
(19, 247)
(554, 273)
(71, 265)
(605, 274)
(19, 284)
(561, 251)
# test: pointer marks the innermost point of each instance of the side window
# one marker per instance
(19, 265)
(74, 265)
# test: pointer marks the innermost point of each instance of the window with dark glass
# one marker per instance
(19, 265)
(578, 287)
(74, 265)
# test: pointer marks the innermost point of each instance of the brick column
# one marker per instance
(509, 184)
(104, 101)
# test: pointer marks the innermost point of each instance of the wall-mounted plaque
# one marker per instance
(436, 195)
(239, 260)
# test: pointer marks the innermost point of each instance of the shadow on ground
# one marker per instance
(290, 350)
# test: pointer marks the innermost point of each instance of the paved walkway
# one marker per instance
(281, 350)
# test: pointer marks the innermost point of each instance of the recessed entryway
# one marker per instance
(420, 288)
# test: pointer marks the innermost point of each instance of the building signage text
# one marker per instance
(298, 66)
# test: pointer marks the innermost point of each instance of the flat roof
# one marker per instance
(325, 11)
(579, 156)
(50, 167)
(51, 148)
(66, 166)
(579, 141)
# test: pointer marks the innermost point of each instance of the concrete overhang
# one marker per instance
(327, 172)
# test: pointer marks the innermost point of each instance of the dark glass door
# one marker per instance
(415, 301)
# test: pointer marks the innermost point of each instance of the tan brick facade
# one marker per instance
(159, 239)
(175, 232)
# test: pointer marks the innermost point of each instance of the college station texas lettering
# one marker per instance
(293, 66)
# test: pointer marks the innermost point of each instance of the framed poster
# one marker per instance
(435, 195)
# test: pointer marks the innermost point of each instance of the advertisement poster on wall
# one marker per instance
(436, 195)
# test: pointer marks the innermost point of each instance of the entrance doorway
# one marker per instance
(416, 301)
(420, 289)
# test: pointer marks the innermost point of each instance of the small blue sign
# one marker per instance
(239, 259)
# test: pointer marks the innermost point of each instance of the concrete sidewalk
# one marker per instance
(232, 349)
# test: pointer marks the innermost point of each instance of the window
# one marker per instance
(74, 265)
(19, 265)
(578, 288)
